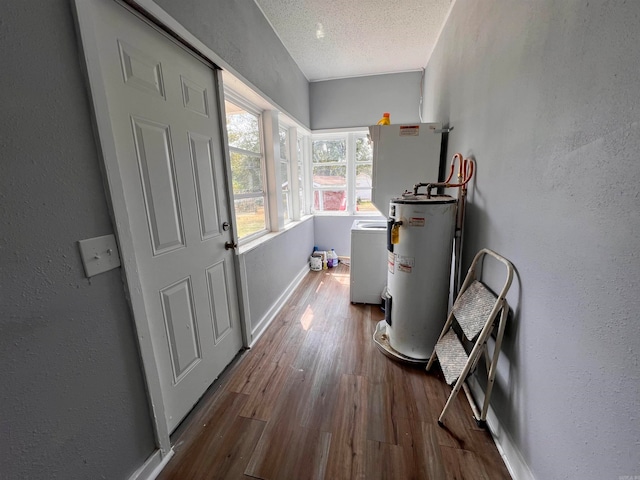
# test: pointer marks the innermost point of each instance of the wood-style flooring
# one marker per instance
(316, 399)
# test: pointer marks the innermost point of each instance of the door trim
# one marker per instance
(88, 45)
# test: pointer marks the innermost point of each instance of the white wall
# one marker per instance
(545, 96)
(361, 101)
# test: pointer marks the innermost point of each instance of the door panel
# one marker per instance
(157, 171)
(204, 176)
(219, 297)
(140, 71)
(182, 327)
(194, 97)
(164, 113)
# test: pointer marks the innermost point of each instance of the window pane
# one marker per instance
(363, 188)
(285, 204)
(329, 200)
(301, 194)
(284, 148)
(364, 205)
(364, 150)
(364, 175)
(284, 182)
(301, 176)
(330, 176)
(329, 151)
(249, 215)
(242, 128)
(284, 175)
(246, 173)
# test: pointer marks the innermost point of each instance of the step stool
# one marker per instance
(476, 311)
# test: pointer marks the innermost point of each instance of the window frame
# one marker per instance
(270, 120)
(350, 136)
(365, 136)
(303, 177)
(237, 100)
(330, 137)
(286, 163)
(298, 143)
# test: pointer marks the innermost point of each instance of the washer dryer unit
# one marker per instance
(368, 260)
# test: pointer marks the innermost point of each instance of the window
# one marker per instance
(247, 170)
(302, 203)
(266, 156)
(342, 173)
(285, 174)
(364, 174)
(293, 152)
(329, 171)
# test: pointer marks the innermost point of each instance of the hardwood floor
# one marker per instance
(315, 399)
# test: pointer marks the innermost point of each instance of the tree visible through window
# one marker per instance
(364, 174)
(342, 173)
(285, 174)
(329, 174)
(301, 169)
(247, 170)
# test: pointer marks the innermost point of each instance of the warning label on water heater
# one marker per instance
(416, 222)
(405, 264)
(391, 261)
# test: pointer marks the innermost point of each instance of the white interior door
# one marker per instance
(164, 113)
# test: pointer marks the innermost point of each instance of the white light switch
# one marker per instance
(99, 254)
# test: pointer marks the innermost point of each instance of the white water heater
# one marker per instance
(420, 242)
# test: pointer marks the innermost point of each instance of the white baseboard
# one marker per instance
(509, 452)
(153, 466)
(268, 317)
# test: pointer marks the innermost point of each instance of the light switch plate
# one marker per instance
(99, 254)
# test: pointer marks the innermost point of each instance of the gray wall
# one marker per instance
(238, 32)
(273, 265)
(72, 401)
(333, 231)
(361, 101)
(545, 96)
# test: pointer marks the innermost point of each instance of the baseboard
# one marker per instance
(268, 317)
(510, 453)
(152, 467)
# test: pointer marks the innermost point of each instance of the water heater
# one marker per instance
(420, 242)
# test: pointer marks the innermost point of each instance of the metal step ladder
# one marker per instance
(472, 320)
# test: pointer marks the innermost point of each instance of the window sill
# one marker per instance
(347, 214)
(247, 247)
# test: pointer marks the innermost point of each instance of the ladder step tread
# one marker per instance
(472, 309)
(452, 356)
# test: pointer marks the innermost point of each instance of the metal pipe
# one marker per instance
(466, 168)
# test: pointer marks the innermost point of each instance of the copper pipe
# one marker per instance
(466, 169)
(457, 156)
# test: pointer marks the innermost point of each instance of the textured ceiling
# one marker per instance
(346, 38)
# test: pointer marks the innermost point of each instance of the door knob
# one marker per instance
(230, 245)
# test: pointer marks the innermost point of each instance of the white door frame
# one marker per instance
(115, 193)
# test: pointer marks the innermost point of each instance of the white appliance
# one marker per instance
(403, 155)
(419, 268)
(368, 260)
(419, 264)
